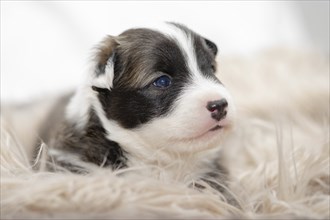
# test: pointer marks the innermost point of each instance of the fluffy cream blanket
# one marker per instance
(278, 156)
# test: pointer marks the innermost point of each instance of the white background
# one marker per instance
(45, 46)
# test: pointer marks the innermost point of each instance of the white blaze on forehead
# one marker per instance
(201, 84)
(185, 42)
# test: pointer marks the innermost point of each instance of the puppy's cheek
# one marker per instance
(192, 117)
(191, 120)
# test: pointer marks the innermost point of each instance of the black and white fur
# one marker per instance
(120, 118)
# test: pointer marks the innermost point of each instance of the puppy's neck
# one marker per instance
(161, 162)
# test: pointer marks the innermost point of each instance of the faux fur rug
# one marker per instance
(278, 156)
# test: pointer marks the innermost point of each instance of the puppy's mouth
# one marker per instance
(217, 127)
(204, 134)
(208, 132)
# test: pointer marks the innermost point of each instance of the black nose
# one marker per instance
(217, 109)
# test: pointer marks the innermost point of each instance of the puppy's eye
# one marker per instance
(162, 82)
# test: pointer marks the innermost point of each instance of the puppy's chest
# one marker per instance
(183, 169)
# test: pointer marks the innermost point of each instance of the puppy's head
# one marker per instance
(158, 86)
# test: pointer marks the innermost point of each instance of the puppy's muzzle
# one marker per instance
(218, 109)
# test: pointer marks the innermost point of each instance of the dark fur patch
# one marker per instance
(218, 179)
(101, 150)
(143, 55)
(90, 144)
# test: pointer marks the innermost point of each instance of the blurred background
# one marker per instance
(45, 46)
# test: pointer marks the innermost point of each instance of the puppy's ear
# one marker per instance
(104, 63)
(212, 46)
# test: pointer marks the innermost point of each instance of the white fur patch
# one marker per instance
(105, 80)
(78, 109)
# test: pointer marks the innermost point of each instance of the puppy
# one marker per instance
(151, 99)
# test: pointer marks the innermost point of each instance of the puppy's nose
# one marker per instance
(217, 109)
